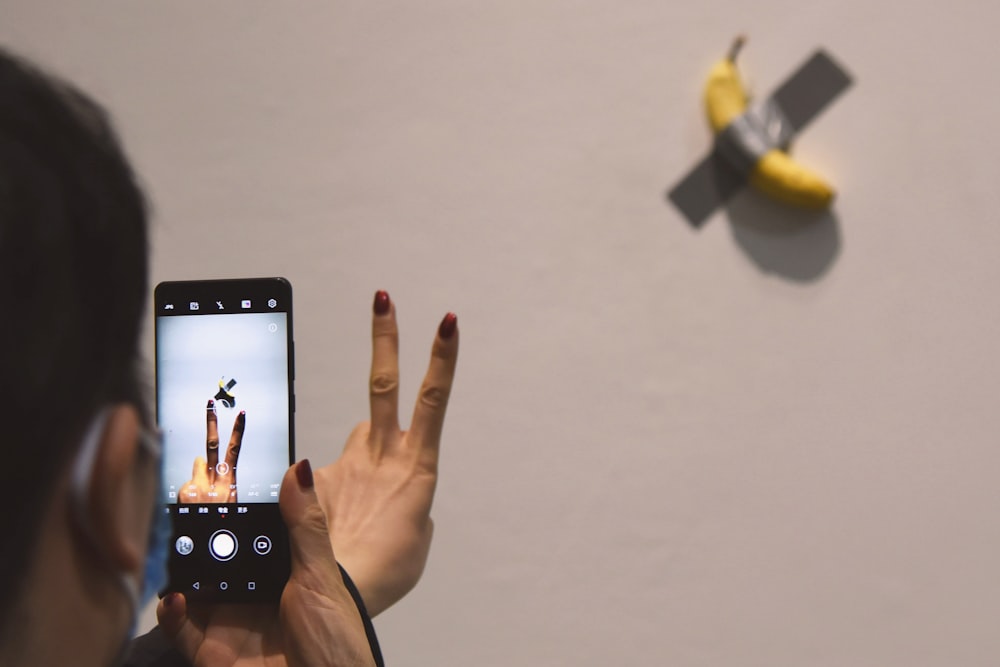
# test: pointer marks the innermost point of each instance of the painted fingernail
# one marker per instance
(171, 599)
(304, 473)
(381, 306)
(448, 324)
(241, 421)
(211, 404)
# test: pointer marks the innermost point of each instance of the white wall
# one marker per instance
(762, 443)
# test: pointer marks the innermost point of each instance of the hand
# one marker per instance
(377, 496)
(317, 623)
(211, 482)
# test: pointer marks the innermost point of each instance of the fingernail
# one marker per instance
(381, 306)
(171, 599)
(211, 404)
(448, 324)
(241, 420)
(304, 473)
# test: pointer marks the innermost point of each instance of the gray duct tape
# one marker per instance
(793, 105)
(745, 140)
(743, 143)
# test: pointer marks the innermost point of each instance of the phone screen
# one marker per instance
(225, 405)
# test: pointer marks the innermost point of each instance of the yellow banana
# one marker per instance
(775, 173)
(725, 98)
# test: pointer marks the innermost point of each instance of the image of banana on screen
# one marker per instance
(752, 141)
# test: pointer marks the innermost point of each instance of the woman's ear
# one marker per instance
(120, 492)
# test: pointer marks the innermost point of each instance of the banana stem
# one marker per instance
(734, 50)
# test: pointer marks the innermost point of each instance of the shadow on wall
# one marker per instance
(795, 244)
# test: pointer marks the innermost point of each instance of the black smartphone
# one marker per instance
(225, 405)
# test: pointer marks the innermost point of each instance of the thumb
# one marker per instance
(171, 613)
(313, 562)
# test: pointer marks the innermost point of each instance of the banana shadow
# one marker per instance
(794, 244)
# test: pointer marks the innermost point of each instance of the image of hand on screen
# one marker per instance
(213, 481)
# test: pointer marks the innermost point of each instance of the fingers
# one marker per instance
(212, 438)
(384, 380)
(199, 473)
(432, 402)
(191, 492)
(313, 562)
(171, 613)
(236, 440)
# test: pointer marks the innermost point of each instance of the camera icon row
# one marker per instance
(223, 545)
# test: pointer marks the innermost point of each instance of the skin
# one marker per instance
(377, 495)
(370, 510)
(375, 502)
(316, 623)
(211, 483)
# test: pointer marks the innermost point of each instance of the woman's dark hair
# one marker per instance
(73, 285)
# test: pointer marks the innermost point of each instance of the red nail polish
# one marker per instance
(448, 325)
(304, 473)
(211, 404)
(381, 306)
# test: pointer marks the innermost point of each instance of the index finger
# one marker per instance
(432, 402)
(383, 383)
(212, 438)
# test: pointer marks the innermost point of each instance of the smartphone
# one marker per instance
(225, 404)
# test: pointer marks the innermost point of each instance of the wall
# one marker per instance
(771, 441)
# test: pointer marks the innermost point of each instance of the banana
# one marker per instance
(725, 98)
(775, 173)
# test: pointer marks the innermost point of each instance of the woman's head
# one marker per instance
(73, 285)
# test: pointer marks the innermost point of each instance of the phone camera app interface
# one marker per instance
(223, 406)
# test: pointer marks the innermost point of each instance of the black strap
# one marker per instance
(365, 618)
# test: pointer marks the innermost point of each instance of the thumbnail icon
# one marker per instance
(184, 545)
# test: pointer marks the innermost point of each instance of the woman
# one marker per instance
(81, 464)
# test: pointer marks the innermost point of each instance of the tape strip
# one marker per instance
(748, 138)
(795, 103)
(810, 89)
(708, 185)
